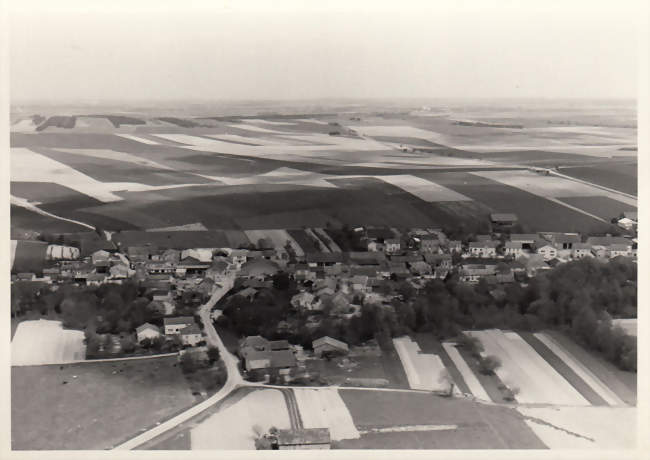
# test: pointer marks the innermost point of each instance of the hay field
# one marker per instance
(423, 371)
(232, 428)
(324, 408)
(46, 342)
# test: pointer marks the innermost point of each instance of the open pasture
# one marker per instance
(618, 176)
(83, 413)
(601, 206)
(523, 368)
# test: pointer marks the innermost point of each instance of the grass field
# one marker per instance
(479, 426)
(29, 257)
(173, 240)
(24, 221)
(84, 413)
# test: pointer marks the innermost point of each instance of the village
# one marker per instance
(332, 286)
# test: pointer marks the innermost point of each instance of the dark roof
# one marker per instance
(303, 437)
(259, 267)
(366, 258)
(608, 240)
(282, 358)
(379, 233)
(278, 345)
(324, 257)
(191, 329)
(369, 271)
(503, 217)
(178, 320)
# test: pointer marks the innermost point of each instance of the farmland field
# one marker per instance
(600, 206)
(618, 176)
(479, 426)
(82, 413)
(29, 256)
(24, 221)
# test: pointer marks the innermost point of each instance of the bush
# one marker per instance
(489, 364)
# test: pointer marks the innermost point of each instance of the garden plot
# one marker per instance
(580, 369)
(583, 427)
(423, 371)
(46, 342)
(324, 408)
(550, 186)
(423, 189)
(278, 237)
(472, 382)
(234, 427)
(142, 140)
(523, 368)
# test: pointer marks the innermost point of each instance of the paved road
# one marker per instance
(233, 381)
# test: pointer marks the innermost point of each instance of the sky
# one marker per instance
(221, 50)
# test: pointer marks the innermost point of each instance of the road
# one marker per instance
(234, 378)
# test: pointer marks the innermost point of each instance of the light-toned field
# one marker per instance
(550, 186)
(470, 379)
(46, 342)
(423, 189)
(233, 427)
(254, 128)
(422, 370)
(583, 372)
(523, 368)
(116, 156)
(392, 130)
(324, 408)
(142, 140)
(583, 427)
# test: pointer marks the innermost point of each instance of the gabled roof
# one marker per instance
(513, 245)
(324, 257)
(146, 326)
(191, 329)
(607, 240)
(303, 437)
(632, 215)
(275, 345)
(366, 258)
(503, 217)
(483, 244)
(178, 320)
(619, 247)
(329, 341)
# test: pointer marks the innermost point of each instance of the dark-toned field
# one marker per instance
(24, 221)
(99, 406)
(534, 212)
(172, 240)
(620, 176)
(600, 206)
(30, 256)
(479, 426)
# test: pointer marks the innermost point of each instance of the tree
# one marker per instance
(189, 363)
(281, 281)
(213, 354)
(127, 344)
(489, 364)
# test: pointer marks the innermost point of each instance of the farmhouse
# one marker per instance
(173, 326)
(190, 335)
(325, 345)
(307, 438)
(483, 248)
(259, 268)
(548, 251)
(147, 331)
(513, 248)
(581, 250)
(627, 223)
(262, 354)
(616, 250)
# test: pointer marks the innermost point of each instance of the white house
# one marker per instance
(306, 301)
(513, 248)
(483, 248)
(581, 250)
(392, 245)
(616, 250)
(627, 224)
(173, 326)
(548, 251)
(147, 331)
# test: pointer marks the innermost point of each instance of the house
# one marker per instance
(371, 271)
(322, 259)
(581, 250)
(139, 254)
(376, 246)
(326, 345)
(534, 263)
(359, 283)
(483, 248)
(438, 260)
(306, 301)
(261, 354)
(616, 250)
(513, 248)
(302, 272)
(259, 268)
(120, 271)
(600, 251)
(608, 240)
(95, 279)
(454, 246)
(147, 331)
(472, 273)
(421, 268)
(173, 326)
(392, 245)
(561, 240)
(503, 220)
(26, 276)
(100, 255)
(203, 255)
(627, 223)
(547, 251)
(429, 243)
(366, 258)
(306, 438)
(190, 335)
(527, 240)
